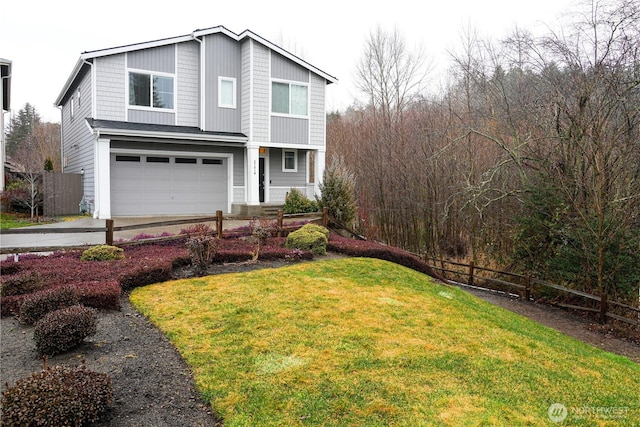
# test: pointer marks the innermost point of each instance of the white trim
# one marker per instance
(202, 154)
(233, 81)
(151, 74)
(290, 83)
(295, 160)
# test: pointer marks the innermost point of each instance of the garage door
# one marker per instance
(146, 185)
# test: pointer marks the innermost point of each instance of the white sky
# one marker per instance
(44, 38)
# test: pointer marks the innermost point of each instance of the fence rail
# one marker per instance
(110, 228)
(527, 286)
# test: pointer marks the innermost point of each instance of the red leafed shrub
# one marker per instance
(23, 282)
(38, 304)
(10, 306)
(10, 267)
(58, 396)
(64, 329)
(101, 295)
(367, 248)
(142, 272)
(271, 253)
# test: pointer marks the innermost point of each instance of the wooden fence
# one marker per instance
(527, 286)
(110, 228)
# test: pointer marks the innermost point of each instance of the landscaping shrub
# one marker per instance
(202, 250)
(337, 191)
(10, 306)
(10, 267)
(308, 239)
(22, 283)
(199, 229)
(315, 227)
(37, 305)
(143, 272)
(97, 294)
(58, 396)
(262, 229)
(64, 329)
(296, 202)
(102, 253)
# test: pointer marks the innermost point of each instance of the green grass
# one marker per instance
(8, 221)
(361, 342)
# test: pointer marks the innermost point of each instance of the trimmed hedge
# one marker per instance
(101, 295)
(308, 238)
(21, 283)
(37, 305)
(64, 329)
(102, 253)
(57, 396)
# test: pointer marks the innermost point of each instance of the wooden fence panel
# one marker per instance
(62, 193)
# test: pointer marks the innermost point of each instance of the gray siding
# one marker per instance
(161, 59)
(285, 69)
(289, 130)
(245, 88)
(222, 58)
(238, 153)
(78, 142)
(261, 93)
(188, 85)
(155, 117)
(110, 87)
(317, 110)
(287, 179)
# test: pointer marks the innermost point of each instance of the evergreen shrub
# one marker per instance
(102, 253)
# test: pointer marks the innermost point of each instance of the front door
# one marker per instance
(261, 179)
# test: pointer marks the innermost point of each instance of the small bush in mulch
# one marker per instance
(64, 329)
(308, 238)
(37, 305)
(57, 396)
(202, 250)
(102, 253)
(367, 248)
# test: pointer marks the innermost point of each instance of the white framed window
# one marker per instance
(289, 161)
(78, 97)
(151, 90)
(72, 108)
(289, 99)
(226, 92)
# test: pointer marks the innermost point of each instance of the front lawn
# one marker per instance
(362, 342)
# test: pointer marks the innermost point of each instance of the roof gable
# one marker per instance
(247, 34)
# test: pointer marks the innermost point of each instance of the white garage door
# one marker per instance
(146, 185)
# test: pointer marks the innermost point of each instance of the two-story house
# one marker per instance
(192, 124)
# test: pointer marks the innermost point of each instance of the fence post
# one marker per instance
(527, 288)
(109, 236)
(325, 217)
(603, 307)
(280, 222)
(219, 223)
(471, 269)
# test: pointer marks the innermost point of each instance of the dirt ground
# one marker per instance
(154, 387)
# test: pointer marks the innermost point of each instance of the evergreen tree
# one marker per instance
(21, 127)
(337, 192)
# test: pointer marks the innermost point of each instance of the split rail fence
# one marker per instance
(526, 287)
(110, 228)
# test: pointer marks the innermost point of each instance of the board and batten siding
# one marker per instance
(222, 59)
(289, 130)
(188, 84)
(110, 87)
(161, 59)
(78, 149)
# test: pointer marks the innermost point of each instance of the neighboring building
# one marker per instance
(5, 99)
(192, 124)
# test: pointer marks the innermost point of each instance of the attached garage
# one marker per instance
(163, 184)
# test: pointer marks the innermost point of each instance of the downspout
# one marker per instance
(201, 101)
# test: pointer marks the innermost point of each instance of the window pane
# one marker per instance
(226, 93)
(289, 160)
(139, 89)
(280, 98)
(299, 100)
(162, 92)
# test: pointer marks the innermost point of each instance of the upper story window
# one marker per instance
(289, 99)
(226, 92)
(150, 90)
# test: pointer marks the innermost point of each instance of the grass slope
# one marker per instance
(362, 342)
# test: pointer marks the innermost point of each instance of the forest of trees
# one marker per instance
(528, 159)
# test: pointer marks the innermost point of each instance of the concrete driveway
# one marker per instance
(35, 239)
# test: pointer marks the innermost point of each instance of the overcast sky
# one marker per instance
(44, 38)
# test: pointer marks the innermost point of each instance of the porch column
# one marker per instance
(319, 170)
(102, 179)
(252, 178)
